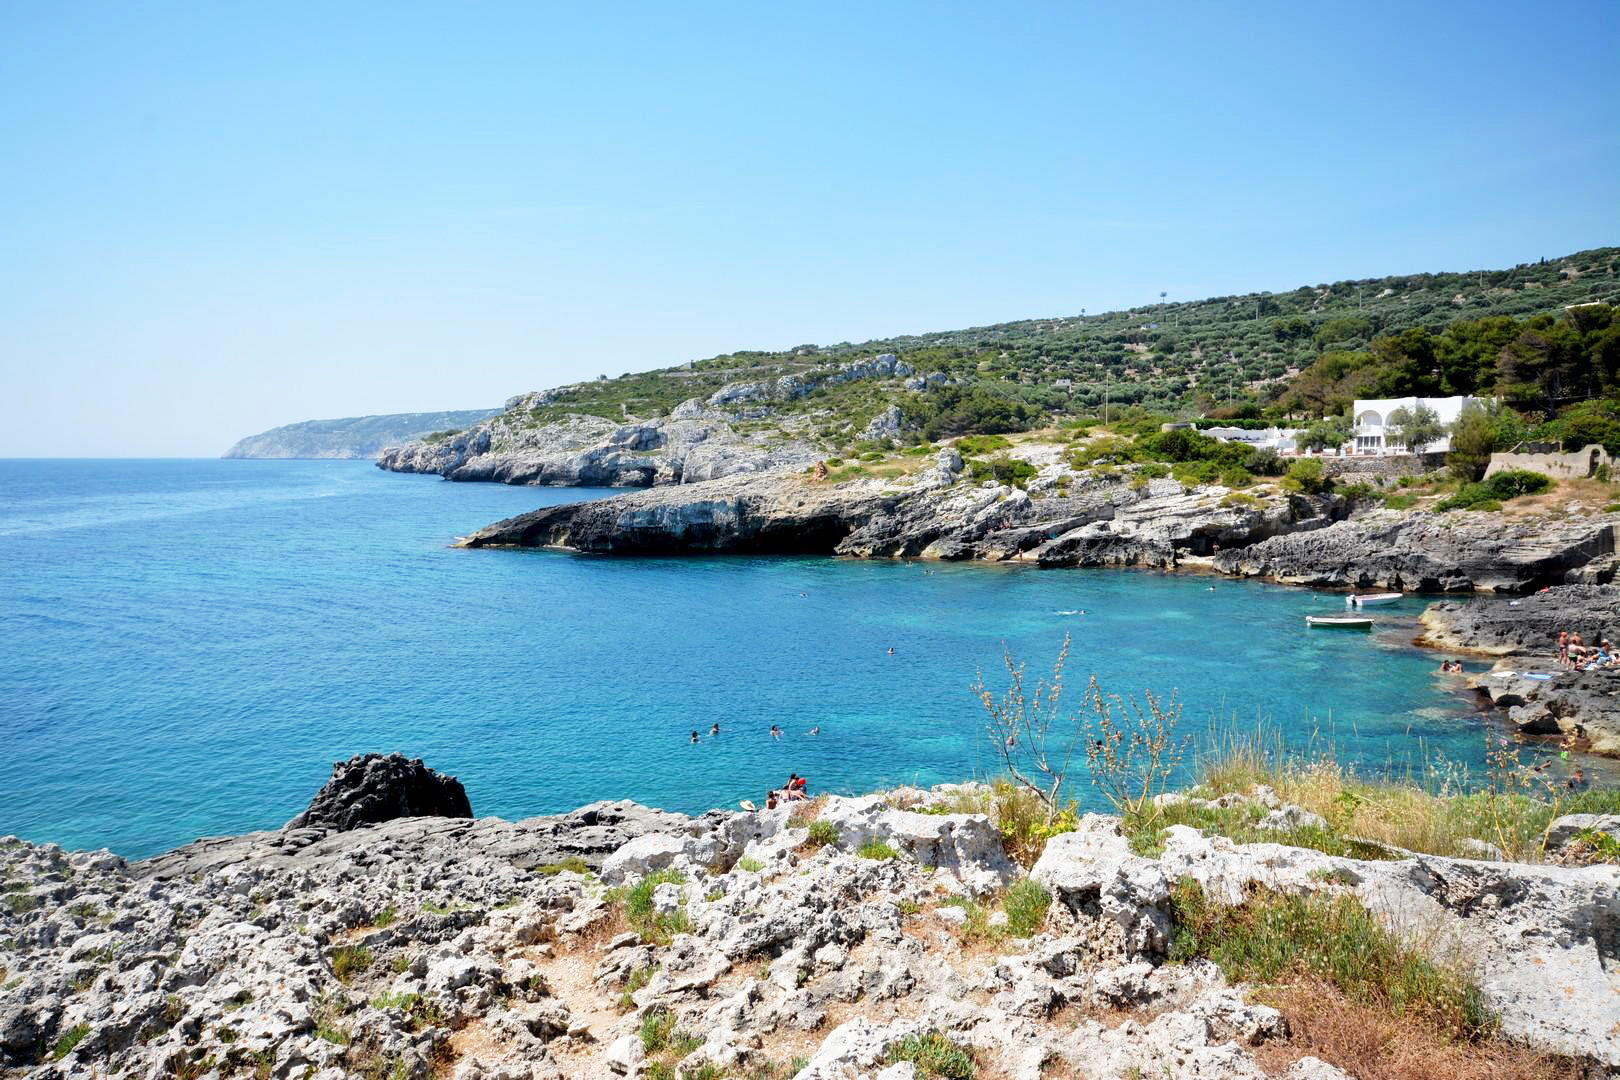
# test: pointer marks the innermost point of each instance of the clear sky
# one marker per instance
(220, 217)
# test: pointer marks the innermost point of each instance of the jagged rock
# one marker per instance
(369, 789)
(1118, 900)
(1428, 552)
(1529, 626)
(428, 939)
(965, 846)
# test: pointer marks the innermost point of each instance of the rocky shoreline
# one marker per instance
(1540, 696)
(806, 941)
(1067, 519)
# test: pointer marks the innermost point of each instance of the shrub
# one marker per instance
(877, 849)
(981, 444)
(1490, 493)
(750, 864)
(1003, 470)
(657, 1025)
(1263, 461)
(822, 833)
(933, 1055)
(1025, 904)
(1307, 475)
(1153, 471)
(1273, 938)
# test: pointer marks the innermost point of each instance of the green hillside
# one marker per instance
(1260, 354)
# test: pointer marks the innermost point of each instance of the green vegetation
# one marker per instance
(1435, 812)
(22, 903)
(656, 926)
(1543, 336)
(1025, 904)
(1491, 493)
(423, 1014)
(1274, 938)
(933, 1055)
(877, 849)
(349, 961)
(385, 918)
(70, 1038)
(822, 833)
(573, 865)
(750, 864)
(638, 979)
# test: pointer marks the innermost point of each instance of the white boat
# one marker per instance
(1342, 622)
(1368, 599)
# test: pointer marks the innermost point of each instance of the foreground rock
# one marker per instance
(430, 946)
(369, 789)
(1541, 697)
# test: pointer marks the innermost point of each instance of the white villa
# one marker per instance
(1372, 420)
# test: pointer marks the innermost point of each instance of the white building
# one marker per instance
(1372, 422)
(1278, 439)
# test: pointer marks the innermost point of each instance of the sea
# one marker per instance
(187, 646)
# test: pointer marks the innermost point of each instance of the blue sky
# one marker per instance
(221, 217)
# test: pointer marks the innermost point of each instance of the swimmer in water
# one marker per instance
(776, 732)
(891, 650)
(714, 729)
(694, 736)
(815, 730)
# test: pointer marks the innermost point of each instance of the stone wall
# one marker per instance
(1369, 467)
(1581, 463)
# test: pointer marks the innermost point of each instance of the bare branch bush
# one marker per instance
(1130, 750)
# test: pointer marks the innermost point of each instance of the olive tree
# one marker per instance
(1416, 428)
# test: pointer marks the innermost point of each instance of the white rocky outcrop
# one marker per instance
(444, 947)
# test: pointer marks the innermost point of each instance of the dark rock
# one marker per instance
(1527, 626)
(370, 788)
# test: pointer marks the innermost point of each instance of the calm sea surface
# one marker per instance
(187, 646)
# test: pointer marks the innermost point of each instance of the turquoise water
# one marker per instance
(189, 645)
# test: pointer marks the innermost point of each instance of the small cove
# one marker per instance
(190, 644)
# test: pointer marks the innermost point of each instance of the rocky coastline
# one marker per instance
(808, 941)
(1066, 518)
(1540, 696)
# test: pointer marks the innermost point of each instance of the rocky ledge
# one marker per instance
(808, 941)
(1068, 518)
(1091, 521)
(1429, 552)
(1540, 696)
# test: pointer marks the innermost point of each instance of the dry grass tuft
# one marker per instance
(1371, 1044)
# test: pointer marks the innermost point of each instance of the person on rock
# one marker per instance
(1563, 647)
(770, 800)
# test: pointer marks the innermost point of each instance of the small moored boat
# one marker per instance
(1368, 599)
(1342, 622)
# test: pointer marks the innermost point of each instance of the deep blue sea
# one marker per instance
(189, 645)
